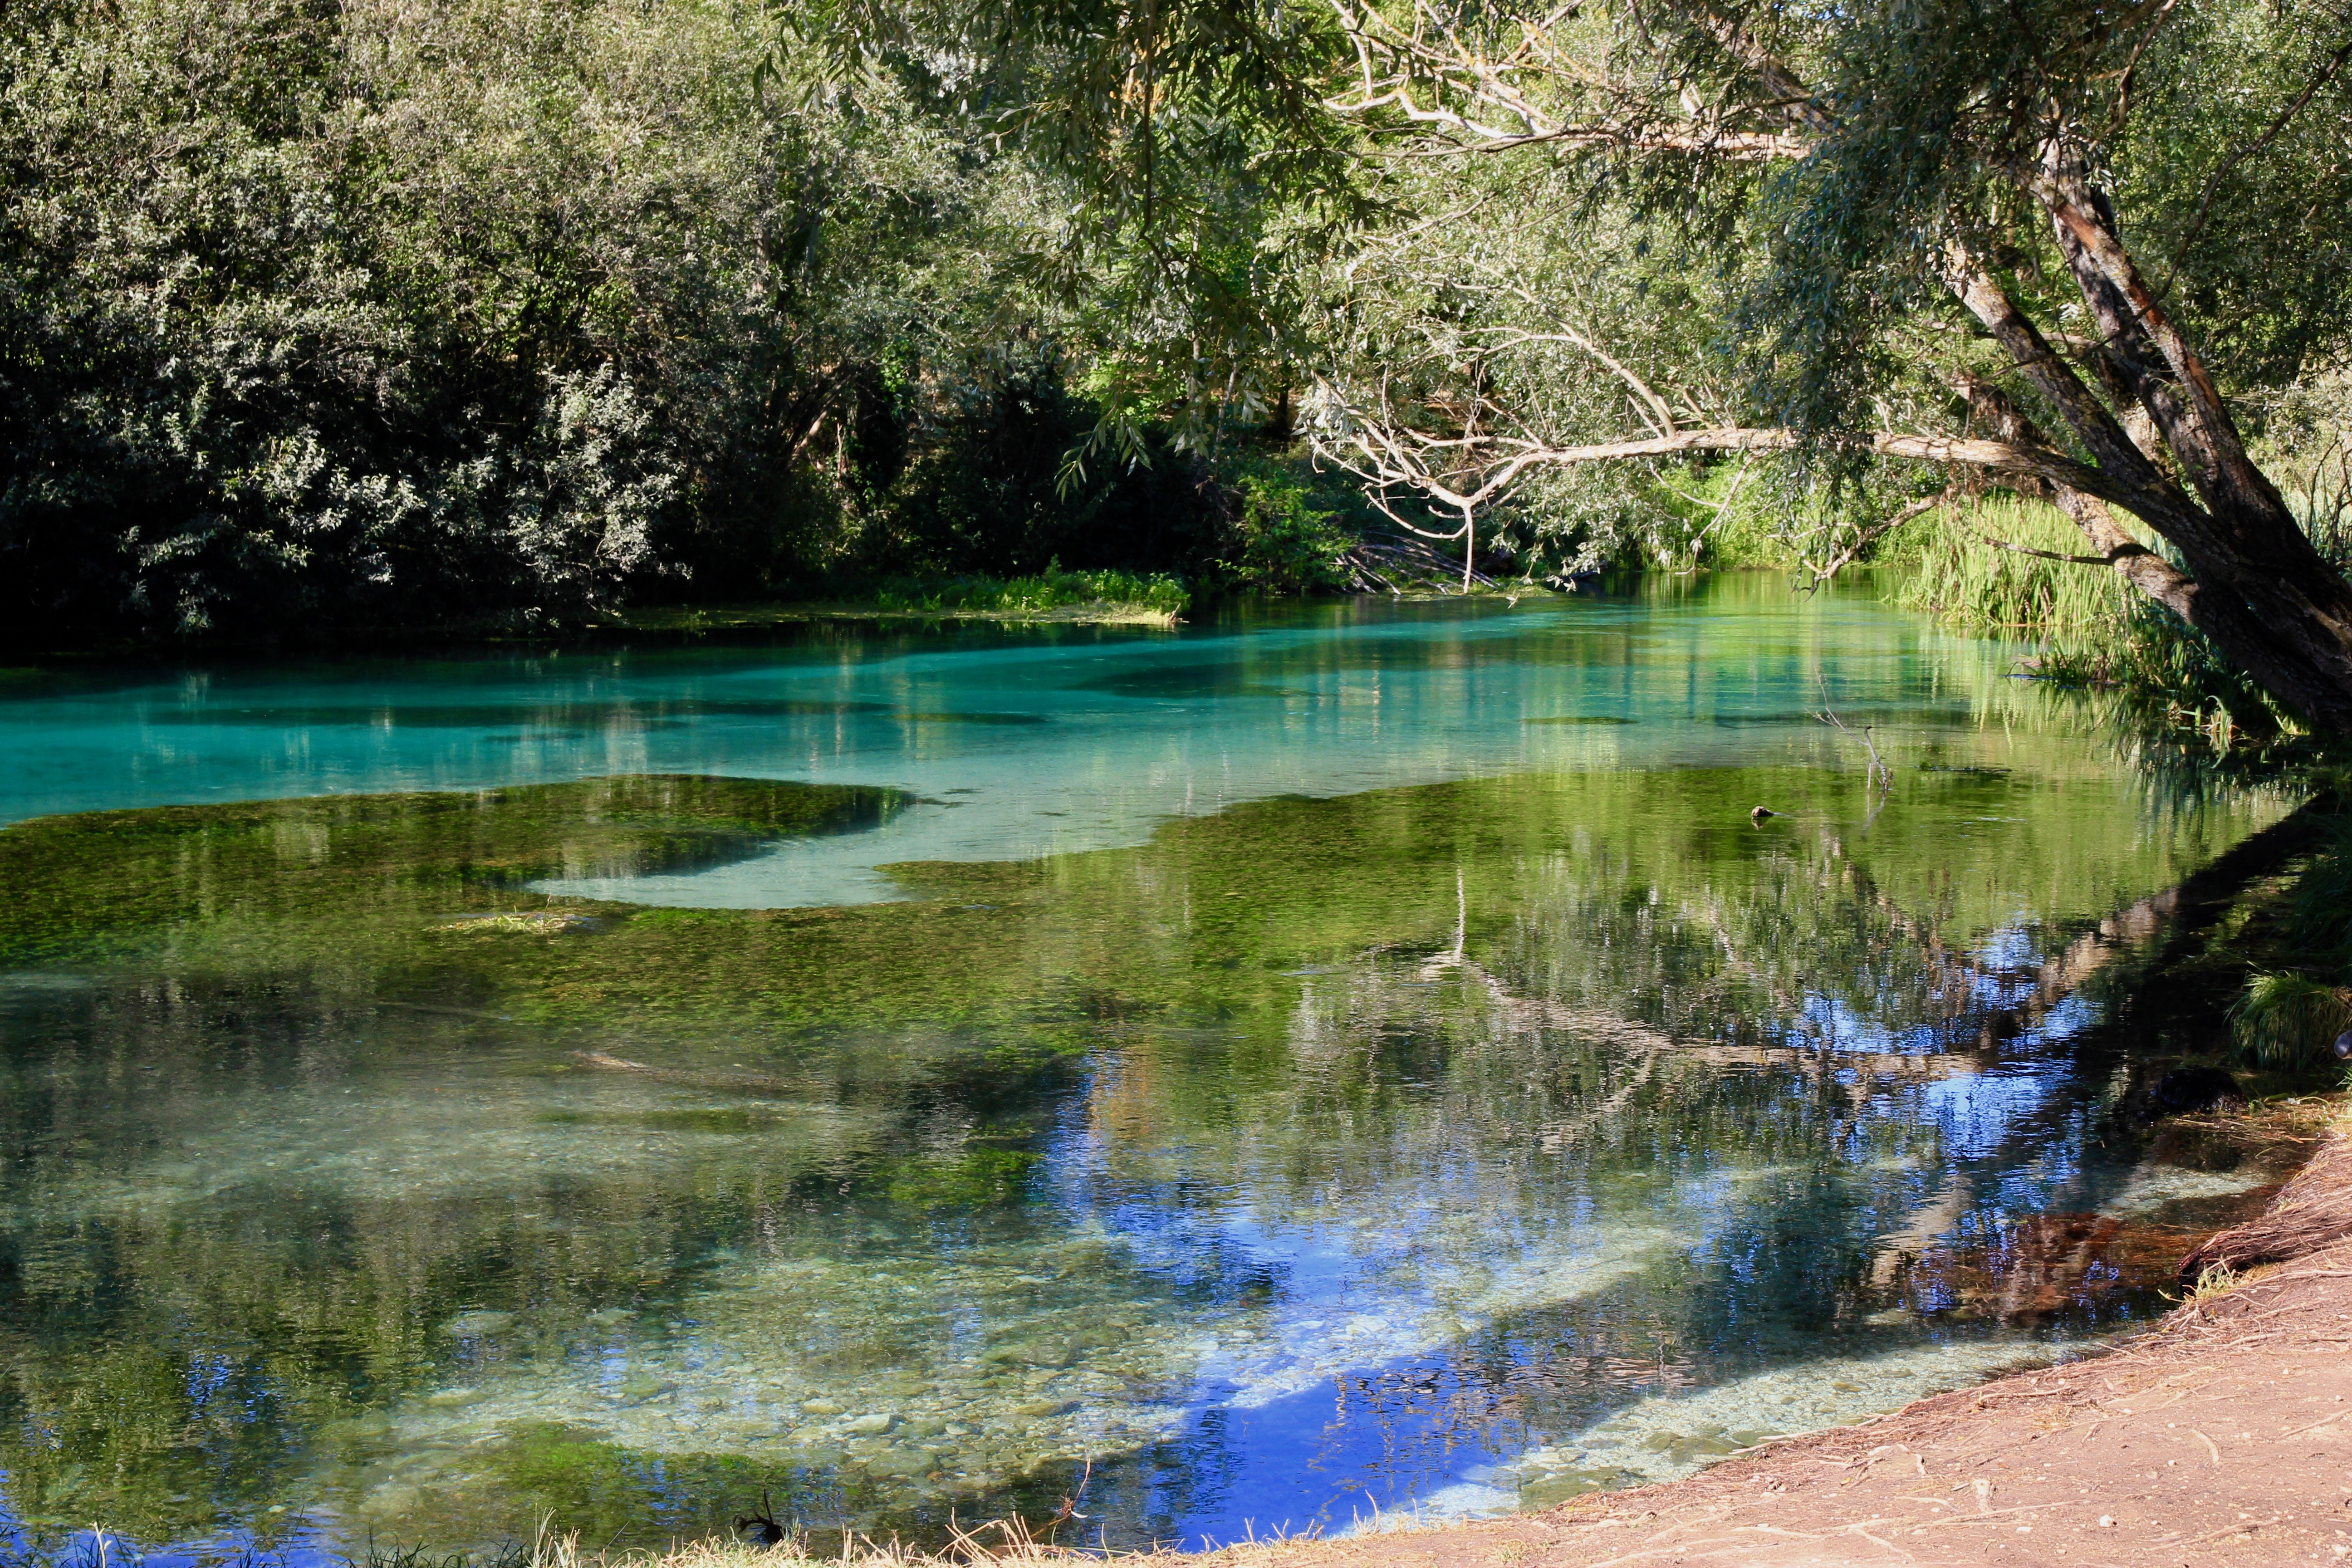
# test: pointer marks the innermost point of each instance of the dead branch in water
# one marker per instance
(1880, 773)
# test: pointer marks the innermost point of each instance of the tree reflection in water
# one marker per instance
(1461, 1143)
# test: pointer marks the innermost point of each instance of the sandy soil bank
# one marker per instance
(2223, 1436)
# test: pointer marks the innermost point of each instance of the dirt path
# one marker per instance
(2224, 1436)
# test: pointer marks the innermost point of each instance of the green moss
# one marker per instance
(95, 883)
(974, 1180)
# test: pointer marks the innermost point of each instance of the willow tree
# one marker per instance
(2035, 245)
(2042, 245)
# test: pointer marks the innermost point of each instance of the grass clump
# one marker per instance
(1053, 588)
(2096, 629)
(2289, 1021)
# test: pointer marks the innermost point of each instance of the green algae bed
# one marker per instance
(354, 1178)
(710, 618)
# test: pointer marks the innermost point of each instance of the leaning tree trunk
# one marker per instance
(2260, 590)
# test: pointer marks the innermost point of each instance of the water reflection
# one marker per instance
(1012, 744)
(1449, 1145)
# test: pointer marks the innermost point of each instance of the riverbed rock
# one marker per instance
(902, 1462)
(640, 1387)
(1558, 1488)
(392, 1502)
(872, 1425)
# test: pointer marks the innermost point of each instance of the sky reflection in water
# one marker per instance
(1518, 1119)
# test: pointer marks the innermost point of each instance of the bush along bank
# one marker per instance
(2295, 1014)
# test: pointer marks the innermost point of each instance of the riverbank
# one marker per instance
(702, 619)
(2223, 1433)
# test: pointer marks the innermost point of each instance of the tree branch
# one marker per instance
(2213, 181)
(2047, 554)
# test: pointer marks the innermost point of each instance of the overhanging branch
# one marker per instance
(1508, 459)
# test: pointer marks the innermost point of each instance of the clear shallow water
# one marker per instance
(1514, 1118)
(1021, 745)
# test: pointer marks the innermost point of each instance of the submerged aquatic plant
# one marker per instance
(849, 1115)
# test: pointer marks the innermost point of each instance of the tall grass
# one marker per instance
(2095, 629)
(1956, 573)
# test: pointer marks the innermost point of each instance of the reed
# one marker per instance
(1975, 567)
(1958, 572)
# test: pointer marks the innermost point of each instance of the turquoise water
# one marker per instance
(1022, 744)
(1245, 1077)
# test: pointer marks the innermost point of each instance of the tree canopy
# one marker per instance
(535, 304)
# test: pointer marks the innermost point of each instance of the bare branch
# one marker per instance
(1483, 104)
(2047, 554)
(1866, 537)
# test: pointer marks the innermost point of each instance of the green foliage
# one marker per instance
(2288, 1021)
(394, 313)
(477, 312)
(1281, 542)
(2094, 630)
(994, 492)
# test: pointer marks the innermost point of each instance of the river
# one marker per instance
(1271, 1075)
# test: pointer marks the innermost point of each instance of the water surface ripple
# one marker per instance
(1243, 1076)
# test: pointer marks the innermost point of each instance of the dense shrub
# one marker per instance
(1285, 542)
(996, 490)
